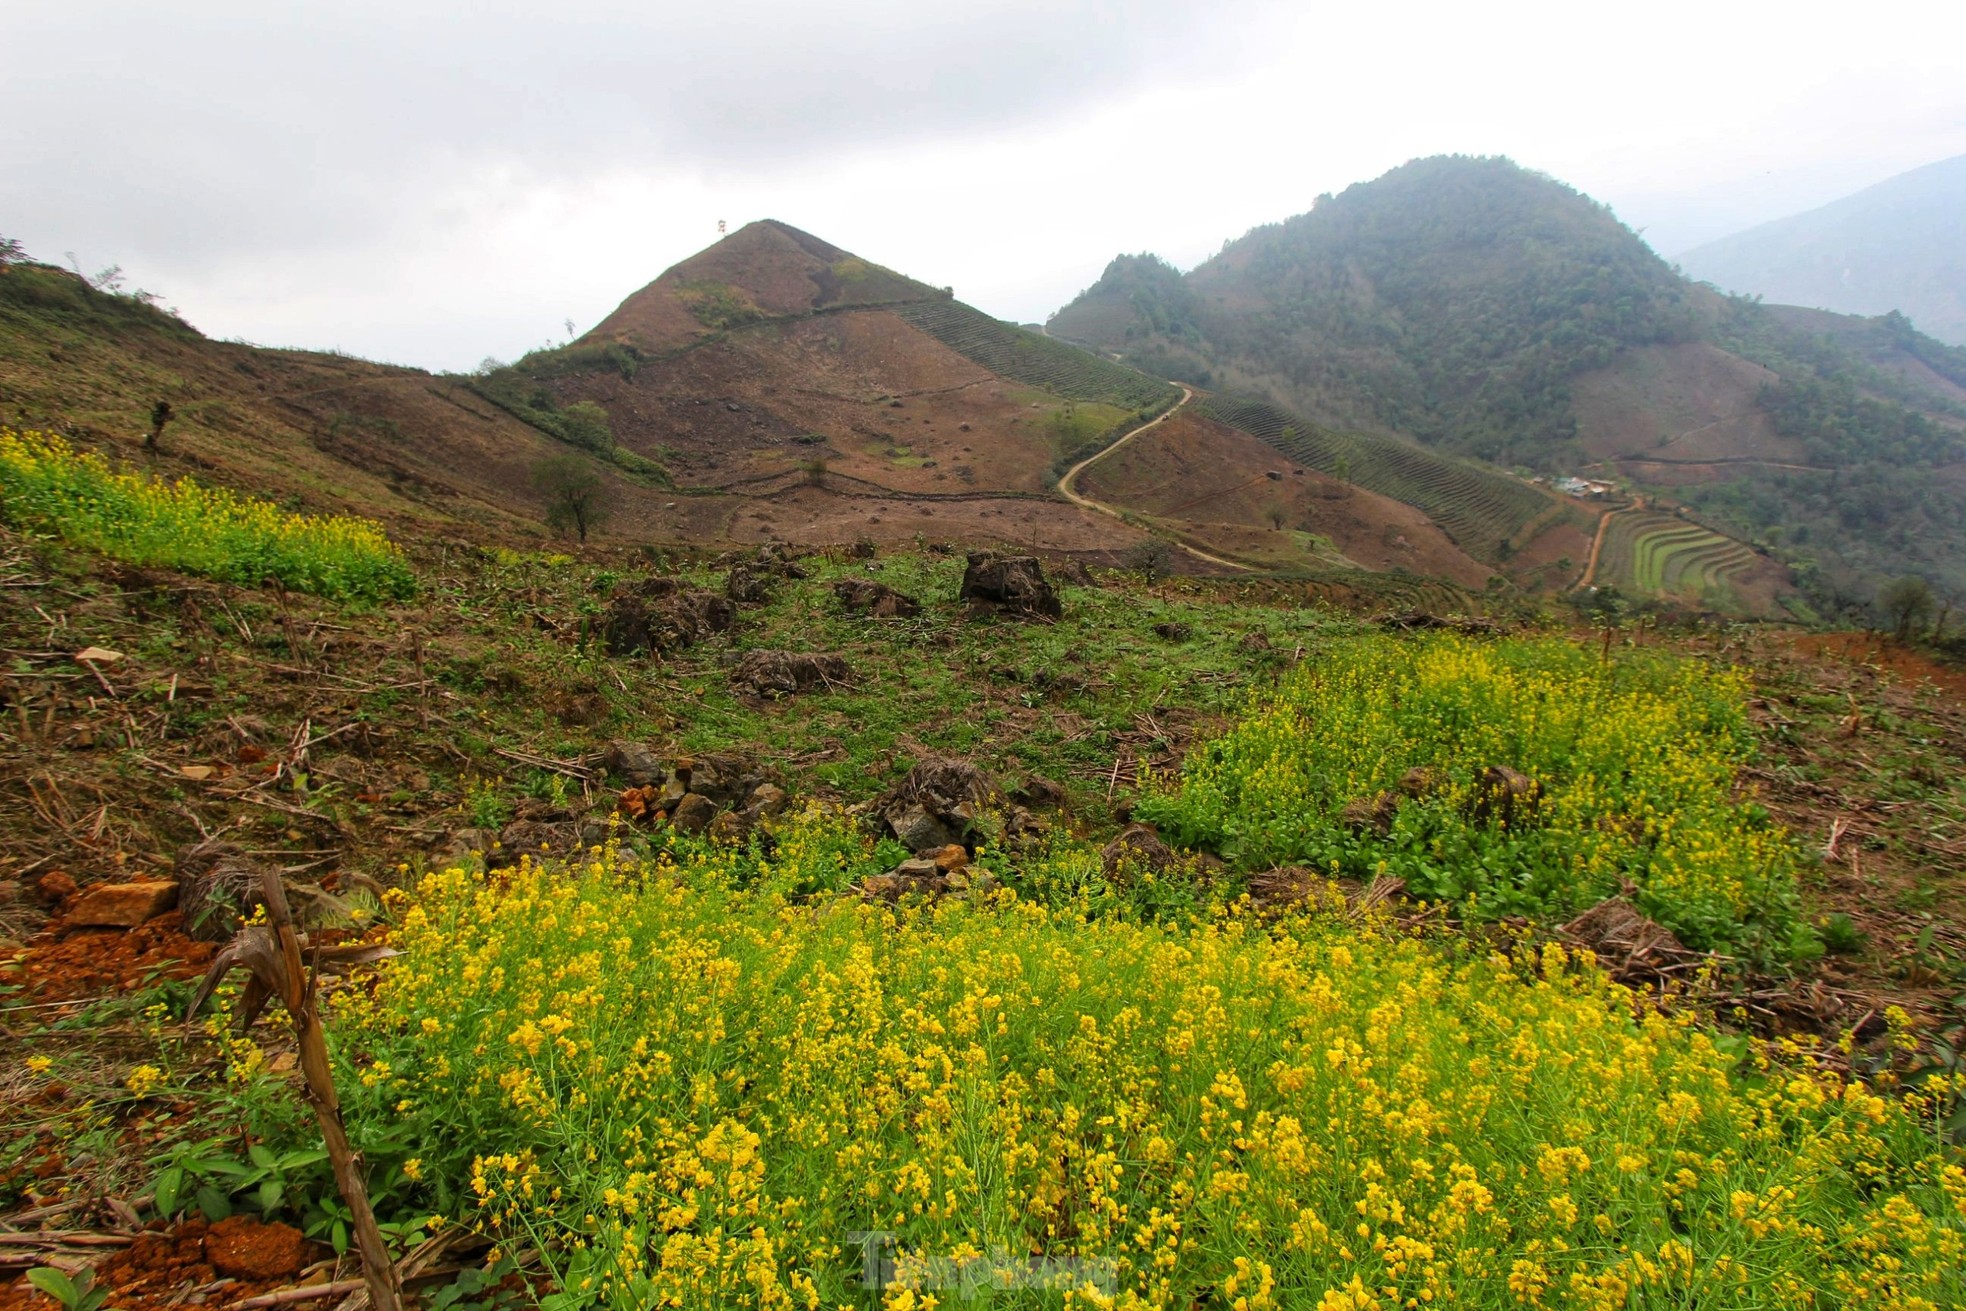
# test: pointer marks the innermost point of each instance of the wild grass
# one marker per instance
(47, 485)
(1633, 762)
(693, 1090)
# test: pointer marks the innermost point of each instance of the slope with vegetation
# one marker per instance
(1481, 310)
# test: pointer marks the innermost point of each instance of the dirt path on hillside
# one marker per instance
(1597, 542)
(1065, 484)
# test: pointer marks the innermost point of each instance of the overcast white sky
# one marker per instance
(431, 183)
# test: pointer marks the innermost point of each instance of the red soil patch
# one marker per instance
(60, 965)
(1216, 479)
(1882, 654)
(169, 1267)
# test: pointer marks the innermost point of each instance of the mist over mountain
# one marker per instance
(1900, 245)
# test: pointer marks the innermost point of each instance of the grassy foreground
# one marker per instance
(696, 1092)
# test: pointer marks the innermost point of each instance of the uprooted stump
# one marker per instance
(1505, 797)
(746, 586)
(1009, 584)
(787, 673)
(659, 615)
(1138, 849)
(1628, 944)
(218, 887)
(940, 803)
(864, 596)
(1417, 621)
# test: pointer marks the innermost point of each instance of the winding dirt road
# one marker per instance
(1067, 488)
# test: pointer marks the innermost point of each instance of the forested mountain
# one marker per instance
(1488, 311)
(1450, 300)
(1900, 245)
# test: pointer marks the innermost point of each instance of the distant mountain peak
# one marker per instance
(1899, 245)
(767, 269)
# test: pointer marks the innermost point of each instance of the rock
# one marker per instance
(919, 868)
(787, 673)
(1009, 584)
(54, 887)
(694, 813)
(634, 764)
(725, 780)
(956, 880)
(672, 792)
(747, 587)
(1038, 791)
(1075, 574)
(875, 600)
(642, 805)
(767, 799)
(1504, 796)
(732, 827)
(463, 845)
(951, 857)
(1137, 848)
(242, 1247)
(1174, 632)
(121, 905)
(917, 830)
(534, 839)
(885, 887)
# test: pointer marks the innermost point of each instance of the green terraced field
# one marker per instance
(1036, 361)
(1480, 510)
(1657, 554)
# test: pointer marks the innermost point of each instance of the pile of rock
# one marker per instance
(659, 615)
(1012, 585)
(935, 873)
(723, 796)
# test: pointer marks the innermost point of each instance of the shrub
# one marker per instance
(186, 525)
(1634, 761)
(694, 1095)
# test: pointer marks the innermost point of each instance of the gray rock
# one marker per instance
(694, 813)
(634, 764)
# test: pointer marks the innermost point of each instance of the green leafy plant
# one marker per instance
(74, 1294)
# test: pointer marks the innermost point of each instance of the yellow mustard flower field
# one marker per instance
(1631, 763)
(691, 1086)
(47, 485)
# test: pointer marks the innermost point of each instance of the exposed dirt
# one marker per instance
(60, 965)
(1216, 480)
(1686, 402)
(170, 1266)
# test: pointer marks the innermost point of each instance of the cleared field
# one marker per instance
(1660, 555)
(1036, 361)
(1485, 513)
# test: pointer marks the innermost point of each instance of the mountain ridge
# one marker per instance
(1898, 245)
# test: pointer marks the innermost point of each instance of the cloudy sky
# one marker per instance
(431, 183)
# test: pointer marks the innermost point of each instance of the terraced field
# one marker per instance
(1658, 554)
(1036, 361)
(1483, 512)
